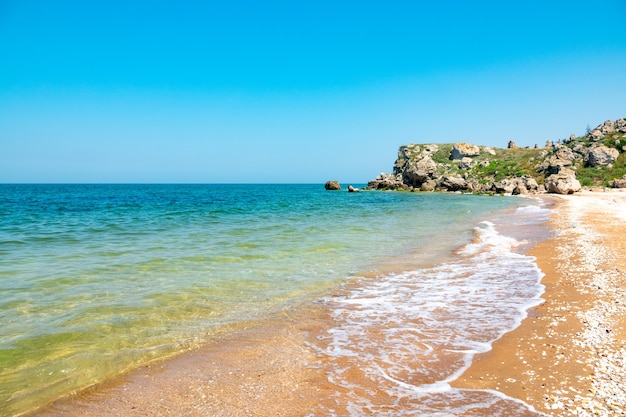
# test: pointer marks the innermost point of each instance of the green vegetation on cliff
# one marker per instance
(597, 159)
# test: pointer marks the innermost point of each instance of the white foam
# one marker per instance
(414, 333)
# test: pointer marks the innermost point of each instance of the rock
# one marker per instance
(386, 182)
(489, 150)
(595, 135)
(417, 173)
(428, 185)
(621, 125)
(453, 183)
(564, 182)
(332, 185)
(466, 163)
(512, 145)
(520, 189)
(531, 184)
(620, 183)
(351, 189)
(601, 155)
(505, 186)
(566, 154)
(462, 150)
(608, 127)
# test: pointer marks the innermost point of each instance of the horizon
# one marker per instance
(283, 93)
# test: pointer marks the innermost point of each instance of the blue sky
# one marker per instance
(285, 91)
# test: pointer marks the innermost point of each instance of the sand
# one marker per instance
(567, 358)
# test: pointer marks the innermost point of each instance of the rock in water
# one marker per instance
(332, 185)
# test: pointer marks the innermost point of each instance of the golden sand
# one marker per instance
(567, 357)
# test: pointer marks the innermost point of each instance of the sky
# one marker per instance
(292, 91)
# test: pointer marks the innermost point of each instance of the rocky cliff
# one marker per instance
(597, 159)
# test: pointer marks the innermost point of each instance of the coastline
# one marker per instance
(554, 361)
(569, 355)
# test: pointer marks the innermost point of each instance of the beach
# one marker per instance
(567, 357)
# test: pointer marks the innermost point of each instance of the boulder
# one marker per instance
(453, 183)
(595, 135)
(332, 185)
(566, 154)
(601, 155)
(564, 182)
(466, 163)
(351, 189)
(531, 184)
(607, 127)
(505, 186)
(512, 145)
(621, 125)
(620, 183)
(462, 150)
(428, 185)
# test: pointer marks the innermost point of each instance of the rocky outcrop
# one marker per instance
(332, 185)
(469, 168)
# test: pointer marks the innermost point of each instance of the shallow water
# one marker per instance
(97, 279)
(399, 340)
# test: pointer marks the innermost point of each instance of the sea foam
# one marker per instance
(411, 334)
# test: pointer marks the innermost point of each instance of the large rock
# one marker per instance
(453, 183)
(564, 182)
(595, 135)
(464, 150)
(601, 155)
(332, 185)
(419, 172)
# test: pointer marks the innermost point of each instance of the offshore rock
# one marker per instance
(351, 189)
(332, 185)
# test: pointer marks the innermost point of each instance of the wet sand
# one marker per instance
(568, 355)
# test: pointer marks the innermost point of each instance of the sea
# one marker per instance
(99, 279)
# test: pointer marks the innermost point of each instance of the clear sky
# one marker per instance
(292, 91)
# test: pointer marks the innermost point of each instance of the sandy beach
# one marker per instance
(567, 358)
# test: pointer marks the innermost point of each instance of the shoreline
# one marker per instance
(569, 355)
(545, 362)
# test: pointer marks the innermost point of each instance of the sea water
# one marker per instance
(98, 279)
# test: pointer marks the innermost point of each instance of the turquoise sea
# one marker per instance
(98, 279)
